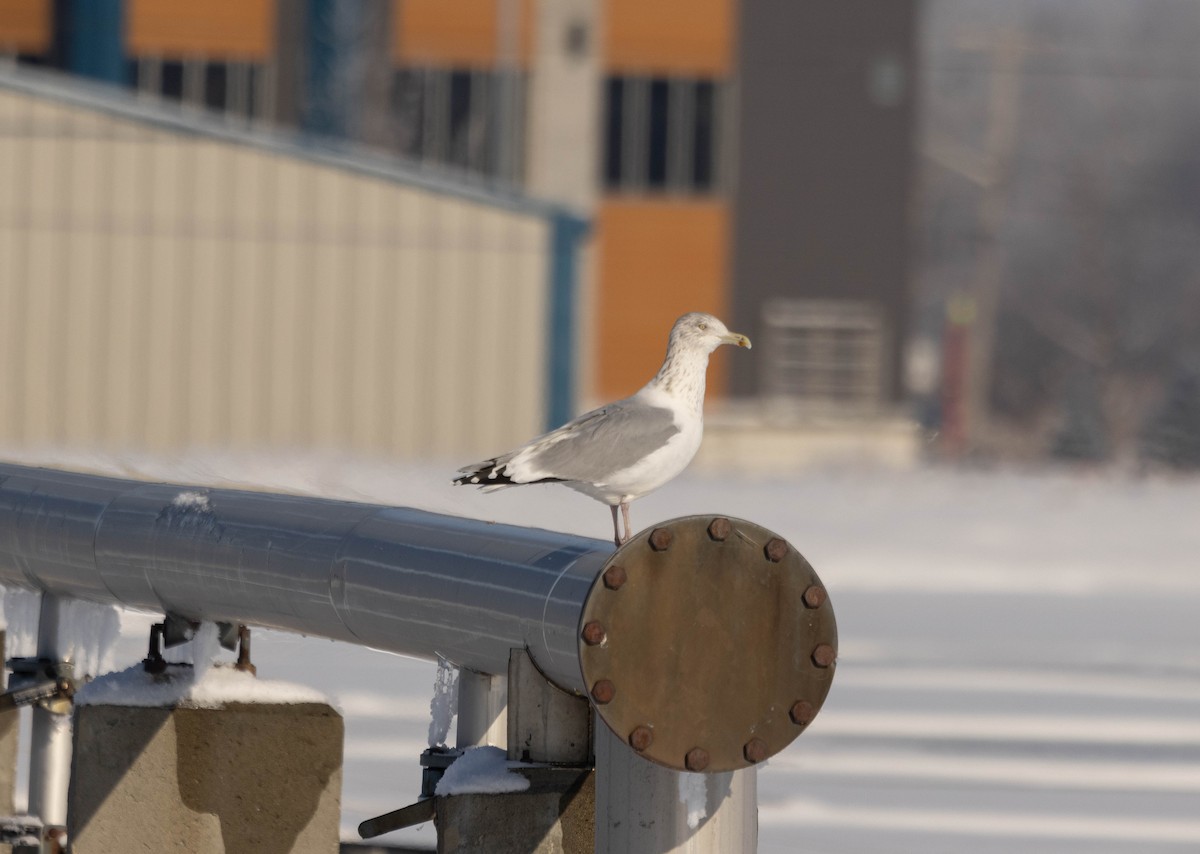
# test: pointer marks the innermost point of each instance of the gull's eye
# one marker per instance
(703, 326)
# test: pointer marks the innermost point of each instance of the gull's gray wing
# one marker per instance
(601, 442)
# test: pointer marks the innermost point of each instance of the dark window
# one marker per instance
(460, 118)
(660, 134)
(704, 128)
(408, 107)
(614, 127)
(656, 163)
(253, 82)
(38, 59)
(457, 117)
(216, 86)
(172, 79)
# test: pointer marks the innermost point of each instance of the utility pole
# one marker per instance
(1004, 107)
(979, 305)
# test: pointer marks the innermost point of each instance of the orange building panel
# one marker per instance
(685, 37)
(229, 29)
(658, 259)
(457, 32)
(25, 25)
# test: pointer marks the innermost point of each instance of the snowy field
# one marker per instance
(1019, 668)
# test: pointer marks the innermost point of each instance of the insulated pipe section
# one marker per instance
(396, 579)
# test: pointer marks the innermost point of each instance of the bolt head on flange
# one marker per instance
(604, 691)
(641, 738)
(801, 712)
(755, 750)
(720, 529)
(593, 633)
(776, 549)
(660, 539)
(824, 655)
(815, 596)
(696, 759)
(615, 577)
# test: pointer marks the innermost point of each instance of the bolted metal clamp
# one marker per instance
(707, 644)
(40, 681)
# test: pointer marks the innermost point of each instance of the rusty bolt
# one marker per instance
(755, 750)
(824, 655)
(603, 691)
(696, 759)
(719, 529)
(776, 549)
(660, 539)
(615, 577)
(801, 712)
(814, 596)
(641, 738)
(593, 633)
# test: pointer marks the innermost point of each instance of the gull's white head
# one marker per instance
(703, 332)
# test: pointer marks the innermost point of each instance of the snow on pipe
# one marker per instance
(396, 579)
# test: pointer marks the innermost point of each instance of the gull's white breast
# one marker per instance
(659, 466)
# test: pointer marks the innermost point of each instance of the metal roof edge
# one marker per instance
(120, 103)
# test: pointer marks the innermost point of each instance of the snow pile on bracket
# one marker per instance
(212, 688)
(480, 771)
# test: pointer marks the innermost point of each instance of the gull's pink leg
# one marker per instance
(628, 527)
(616, 527)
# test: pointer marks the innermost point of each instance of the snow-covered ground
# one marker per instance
(1019, 666)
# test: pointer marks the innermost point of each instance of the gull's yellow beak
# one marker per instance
(735, 338)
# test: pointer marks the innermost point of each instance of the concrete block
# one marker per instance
(245, 777)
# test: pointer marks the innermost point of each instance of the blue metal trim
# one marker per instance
(567, 232)
(324, 108)
(95, 39)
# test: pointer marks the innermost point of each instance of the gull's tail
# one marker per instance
(488, 475)
(491, 475)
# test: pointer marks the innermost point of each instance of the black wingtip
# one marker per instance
(490, 475)
(485, 474)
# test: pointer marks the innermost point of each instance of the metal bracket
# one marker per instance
(177, 629)
(545, 723)
(23, 832)
(243, 647)
(418, 813)
(434, 762)
(40, 681)
(182, 629)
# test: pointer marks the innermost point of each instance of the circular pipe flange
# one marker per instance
(719, 643)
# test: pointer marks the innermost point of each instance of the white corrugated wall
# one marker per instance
(161, 290)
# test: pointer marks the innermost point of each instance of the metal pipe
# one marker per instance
(641, 806)
(707, 643)
(396, 579)
(482, 710)
(50, 730)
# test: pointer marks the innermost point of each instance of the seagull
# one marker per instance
(629, 448)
